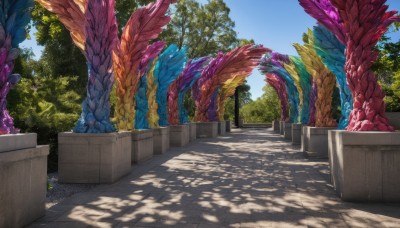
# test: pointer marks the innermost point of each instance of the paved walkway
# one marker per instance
(250, 178)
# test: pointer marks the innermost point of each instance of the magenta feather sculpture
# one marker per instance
(365, 21)
(279, 86)
(14, 16)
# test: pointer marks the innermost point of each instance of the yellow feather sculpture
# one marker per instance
(152, 86)
(324, 79)
(291, 69)
(227, 90)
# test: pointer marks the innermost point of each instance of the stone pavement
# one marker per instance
(249, 178)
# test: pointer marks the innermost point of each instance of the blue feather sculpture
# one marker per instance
(169, 65)
(142, 105)
(306, 85)
(273, 63)
(14, 17)
(332, 53)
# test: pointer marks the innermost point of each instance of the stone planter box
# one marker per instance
(142, 145)
(296, 134)
(228, 126)
(287, 133)
(222, 128)
(93, 158)
(192, 131)
(315, 141)
(304, 139)
(281, 127)
(207, 129)
(365, 165)
(179, 135)
(160, 140)
(394, 119)
(276, 126)
(23, 178)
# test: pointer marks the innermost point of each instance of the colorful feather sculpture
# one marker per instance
(152, 86)
(144, 25)
(325, 80)
(327, 15)
(332, 55)
(273, 63)
(169, 66)
(364, 21)
(280, 87)
(185, 81)
(306, 86)
(313, 100)
(239, 61)
(291, 69)
(94, 30)
(14, 16)
(142, 105)
(227, 90)
(212, 112)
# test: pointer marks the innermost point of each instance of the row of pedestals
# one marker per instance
(364, 166)
(82, 158)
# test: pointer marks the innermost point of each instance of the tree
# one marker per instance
(208, 25)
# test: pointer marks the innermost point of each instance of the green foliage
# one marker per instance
(208, 25)
(263, 110)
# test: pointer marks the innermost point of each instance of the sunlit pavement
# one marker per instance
(249, 178)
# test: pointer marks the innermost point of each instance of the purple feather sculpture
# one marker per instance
(279, 86)
(176, 94)
(14, 16)
(94, 30)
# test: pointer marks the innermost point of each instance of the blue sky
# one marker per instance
(276, 24)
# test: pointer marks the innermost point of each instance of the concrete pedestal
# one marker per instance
(23, 179)
(192, 132)
(228, 126)
(142, 145)
(281, 127)
(315, 141)
(160, 140)
(179, 135)
(93, 158)
(222, 128)
(207, 129)
(296, 134)
(365, 165)
(287, 132)
(275, 126)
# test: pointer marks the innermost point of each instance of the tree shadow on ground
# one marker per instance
(249, 178)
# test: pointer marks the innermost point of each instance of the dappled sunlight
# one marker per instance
(251, 179)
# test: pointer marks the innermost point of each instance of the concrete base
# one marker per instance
(142, 145)
(23, 178)
(179, 135)
(281, 127)
(275, 126)
(222, 128)
(394, 119)
(315, 141)
(228, 126)
(296, 134)
(365, 165)
(287, 133)
(192, 132)
(17, 142)
(93, 158)
(160, 140)
(207, 129)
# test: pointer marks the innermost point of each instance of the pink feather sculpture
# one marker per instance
(365, 21)
(144, 25)
(280, 87)
(239, 61)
